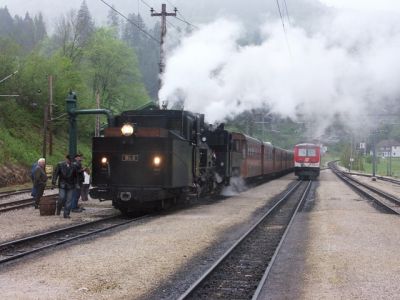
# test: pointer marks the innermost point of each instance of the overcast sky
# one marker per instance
(340, 61)
(194, 11)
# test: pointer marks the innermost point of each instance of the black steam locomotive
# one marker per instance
(154, 155)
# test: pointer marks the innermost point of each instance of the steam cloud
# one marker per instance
(346, 65)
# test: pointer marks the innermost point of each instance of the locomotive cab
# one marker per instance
(150, 156)
(307, 160)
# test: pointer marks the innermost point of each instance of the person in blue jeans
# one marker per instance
(67, 176)
(77, 193)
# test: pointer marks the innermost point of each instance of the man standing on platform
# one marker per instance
(67, 177)
(39, 180)
(77, 193)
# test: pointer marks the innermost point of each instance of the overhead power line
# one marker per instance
(287, 11)
(186, 22)
(284, 28)
(133, 23)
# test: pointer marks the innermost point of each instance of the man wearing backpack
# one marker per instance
(67, 176)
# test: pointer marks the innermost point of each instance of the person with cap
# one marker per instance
(67, 176)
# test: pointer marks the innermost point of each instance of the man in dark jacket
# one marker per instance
(67, 177)
(77, 193)
(39, 180)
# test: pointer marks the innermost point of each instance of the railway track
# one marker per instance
(4, 195)
(7, 206)
(16, 249)
(392, 180)
(386, 200)
(18, 204)
(241, 271)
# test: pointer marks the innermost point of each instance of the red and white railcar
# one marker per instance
(307, 160)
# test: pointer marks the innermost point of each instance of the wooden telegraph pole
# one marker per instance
(50, 115)
(97, 126)
(164, 14)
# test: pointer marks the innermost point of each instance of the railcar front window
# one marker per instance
(312, 152)
(307, 152)
(302, 152)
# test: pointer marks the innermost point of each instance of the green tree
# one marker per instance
(9, 53)
(147, 51)
(112, 70)
(73, 32)
(113, 20)
(6, 23)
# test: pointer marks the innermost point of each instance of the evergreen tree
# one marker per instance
(84, 25)
(147, 51)
(113, 21)
(24, 32)
(6, 23)
(73, 32)
(40, 28)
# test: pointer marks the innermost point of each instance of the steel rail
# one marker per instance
(37, 238)
(393, 206)
(17, 192)
(197, 283)
(260, 286)
(19, 204)
(4, 207)
(392, 180)
(14, 193)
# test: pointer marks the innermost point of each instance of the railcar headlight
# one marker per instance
(157, 161)
(127, 129)
(104, 160)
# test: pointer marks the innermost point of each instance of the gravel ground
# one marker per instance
(19, 223)
(25, 196)
(341, 248)
(391, 188)
(140, 260)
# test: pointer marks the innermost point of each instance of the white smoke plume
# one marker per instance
(345, 65)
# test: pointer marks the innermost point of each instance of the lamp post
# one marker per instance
(373, 157)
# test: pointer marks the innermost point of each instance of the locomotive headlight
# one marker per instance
(104, 160)
(127, 129)
(157, 161)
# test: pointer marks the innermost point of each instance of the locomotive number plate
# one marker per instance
(130, 157)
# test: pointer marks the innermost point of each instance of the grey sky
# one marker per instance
(195, 11)
(251, 12)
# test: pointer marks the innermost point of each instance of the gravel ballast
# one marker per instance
(341, 248)
(136, 261)
(23, 222)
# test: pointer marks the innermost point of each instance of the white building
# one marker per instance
(387, 148)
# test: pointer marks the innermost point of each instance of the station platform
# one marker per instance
(339, 247)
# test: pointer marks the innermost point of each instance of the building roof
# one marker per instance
(388, 143)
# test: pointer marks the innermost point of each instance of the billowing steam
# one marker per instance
(346, 65)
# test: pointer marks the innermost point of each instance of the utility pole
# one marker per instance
(374, 156)
(164, 14)
(50, 115)
(390, 160)
(45, 120)
(97, 126)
